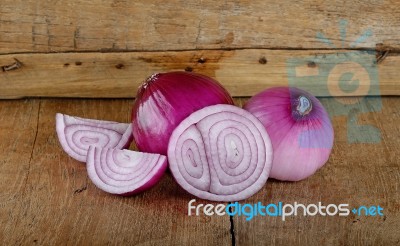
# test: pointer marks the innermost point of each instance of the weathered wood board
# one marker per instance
(245, 44)
(358, 174)
(243, 72)
(47, 198)
(143, 25)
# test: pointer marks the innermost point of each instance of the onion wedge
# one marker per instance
(220, 153)
(77, 134)
(124, 172)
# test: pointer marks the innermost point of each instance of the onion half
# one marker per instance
(124, 172)
(220, 153)
(300, 129)
(164, 100)
(77, 134)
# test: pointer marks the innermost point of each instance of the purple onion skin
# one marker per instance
(164, 100)
(300, 130)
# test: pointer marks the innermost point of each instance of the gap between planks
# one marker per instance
(392, 50)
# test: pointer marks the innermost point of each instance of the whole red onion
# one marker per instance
(300, 130)
(164, 100)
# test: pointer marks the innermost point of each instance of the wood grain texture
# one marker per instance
(47, 198)
(356, 173)
(48, 26)
(18, 127)
(243, 72)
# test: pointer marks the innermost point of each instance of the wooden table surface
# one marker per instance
(47, 198)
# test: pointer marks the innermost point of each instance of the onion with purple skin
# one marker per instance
(220, 153)
(164, 100)
(124, 172)
(77, 134)
(300, 129)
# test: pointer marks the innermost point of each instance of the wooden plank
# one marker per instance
(18, 128)
(356, 174)
(47, 198)
(242, 72)
(48, 26)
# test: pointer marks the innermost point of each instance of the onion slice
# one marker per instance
(124, 172)
(77, 134)
(220, 153)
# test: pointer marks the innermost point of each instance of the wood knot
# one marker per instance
(262, 60)
(77, 191)
(311, 64)
(119, 66)
(202, 60)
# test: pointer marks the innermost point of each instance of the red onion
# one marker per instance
(164, 100)
(300, 130)
(220, 153)
(124, 172)
(77, 134)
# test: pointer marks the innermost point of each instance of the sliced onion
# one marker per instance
(77, 134)
(220, 153)
(124, 172)
(300, 129)
(164, 100)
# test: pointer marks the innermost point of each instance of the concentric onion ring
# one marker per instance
(124, 172)
(220, 153)
(77, 134)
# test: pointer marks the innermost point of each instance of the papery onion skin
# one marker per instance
(164, 100)
(300, 129)
(124, 172)
(77, 134)
(220, 153)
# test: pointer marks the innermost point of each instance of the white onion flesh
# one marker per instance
(220, 153)
(77, 134)
(124, 172)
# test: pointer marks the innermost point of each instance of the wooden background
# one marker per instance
(106, 48)
(47, 198)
